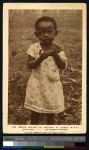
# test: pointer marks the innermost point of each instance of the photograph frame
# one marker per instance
(27, 129)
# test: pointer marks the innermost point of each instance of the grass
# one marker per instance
(19, 40)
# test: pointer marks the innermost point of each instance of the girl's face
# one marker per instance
(46, 32)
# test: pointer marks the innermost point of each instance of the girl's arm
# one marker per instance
(33, 63)
(56, 53)
(60, 63)
(58, 60)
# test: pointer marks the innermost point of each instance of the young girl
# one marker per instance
(44, 93)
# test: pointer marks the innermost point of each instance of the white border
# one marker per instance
(62, 129)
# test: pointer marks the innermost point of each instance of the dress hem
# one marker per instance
(44, 111)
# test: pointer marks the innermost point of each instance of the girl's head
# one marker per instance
(46, 29)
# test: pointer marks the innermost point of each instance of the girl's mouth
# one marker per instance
(46, 40)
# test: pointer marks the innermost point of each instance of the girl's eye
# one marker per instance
(42, 32)
(50, 32)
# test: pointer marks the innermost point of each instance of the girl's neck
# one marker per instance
(45, 47)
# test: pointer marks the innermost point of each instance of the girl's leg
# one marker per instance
(50, 119)
(55, 119)
(34, 118)
(42, 119)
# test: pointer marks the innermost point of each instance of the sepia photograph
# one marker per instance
(44, 68)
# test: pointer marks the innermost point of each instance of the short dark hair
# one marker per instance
(45, 18)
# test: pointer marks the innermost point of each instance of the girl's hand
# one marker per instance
(52, 52)
(44, 55)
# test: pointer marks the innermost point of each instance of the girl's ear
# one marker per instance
(36, 34)
(56, 32)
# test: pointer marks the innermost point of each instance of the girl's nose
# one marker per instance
(45, 34)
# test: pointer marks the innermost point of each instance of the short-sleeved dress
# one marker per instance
(44, 92)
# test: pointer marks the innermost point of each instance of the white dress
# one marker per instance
(44, 92)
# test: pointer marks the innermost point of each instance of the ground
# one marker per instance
(20, 39)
